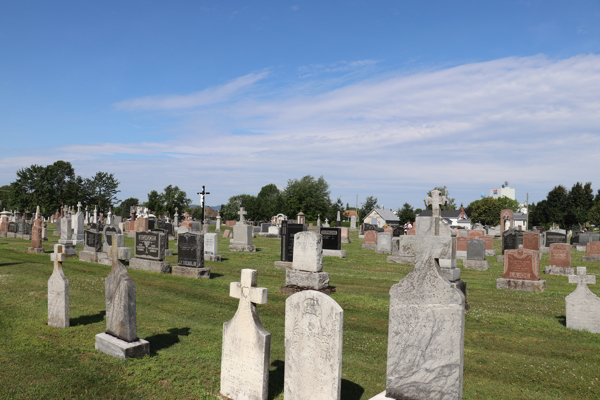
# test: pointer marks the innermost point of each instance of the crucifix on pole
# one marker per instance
(202, 194)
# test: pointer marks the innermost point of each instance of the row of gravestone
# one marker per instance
(332, 239)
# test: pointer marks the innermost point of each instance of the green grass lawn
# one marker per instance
(516, 344)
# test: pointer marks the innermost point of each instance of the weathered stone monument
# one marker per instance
(4, 223)
(190, 256)
(246, 344)
(120, 339)
(353, 223)
(476, 255)
(307, 268)
(211, 247)
(314, 331)
(150, 252)
(78, 226)
(559, 260)
(37, 237)
(242, 235)
(384, 243)
(66, 238)
(345, 235)
(522, 271)
(92, 245)
(531, 241)
(582, 307)
(58, 291)
(426, 332)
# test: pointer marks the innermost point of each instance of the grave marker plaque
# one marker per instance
(190, 250)
(287, 239)
(92, 241)
(332, 238)
(554, 237)
(148, 245)
(522, 264)
(12, 227)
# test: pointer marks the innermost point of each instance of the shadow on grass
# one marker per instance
(7, 264)
(276, 379)
(87, 319)
(351, 390)
(166, 340)
(562, 320)
(215, 275)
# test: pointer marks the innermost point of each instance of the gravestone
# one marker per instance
(211, 247)
(242, 235)
(588, 237)
(476, 255)
(246, 344)
(551, 237)
(398, 231)
(190, 256)
(286, 255)
(426, 332)
(475, 234)
(11, 230)
(332, 242)
(582, 307)
(120, 338)
(314, 331)
(345, 232)
(522, 271)
(58, 291)
(592, 252)
(353, 222)
(78, 226)
(306, 271)
(66, 237)
(37, 236)
(531, 241)
(462, 245)
(559, 260)
(384, 243)
(92, 245)
(264, 227)
(108, 232)
(370, 242)
(510, 240)
(165, 239)
(150, 252)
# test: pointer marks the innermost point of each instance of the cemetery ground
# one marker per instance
(516, 343)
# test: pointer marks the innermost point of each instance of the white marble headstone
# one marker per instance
(58, 291)
(308, 252)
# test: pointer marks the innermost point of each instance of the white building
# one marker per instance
(504, 191)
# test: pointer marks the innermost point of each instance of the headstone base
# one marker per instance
(242, 247)
(591, 258)
(500, 258)
(401, 259)
(544, 250)
(554, 270)
(361, 236)
(383, 251)
(452, 274)
(3, 234)
(168, 252)
(305, 279)
(272, 236)
(346, 240)
(26, 237)
(76, 242)
(131, 234)
(35, 250)
(150, 265)
(461, 255)
(369, 246)
(12, 235)
(479, 265)
(522, 285)
(490, 253)
(103, 258)
(296, 289)
(88, 256)
(190, 272)
(335, 253)
(580, 248)
(283, 264)
(118, 348)
(462, 286)
(211, 257)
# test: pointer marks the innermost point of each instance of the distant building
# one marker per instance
(381, 217)
(504, 191)
(454, 218)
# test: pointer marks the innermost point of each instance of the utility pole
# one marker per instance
(527, 210)
(202, 194)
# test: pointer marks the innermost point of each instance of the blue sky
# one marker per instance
(382, 98)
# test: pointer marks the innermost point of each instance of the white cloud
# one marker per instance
(532, 121)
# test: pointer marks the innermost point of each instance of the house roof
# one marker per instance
(387, 215)
(445, 213)
(350, 213)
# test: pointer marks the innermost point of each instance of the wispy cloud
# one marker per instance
(336, 67)
(205, 97)
(532, 121)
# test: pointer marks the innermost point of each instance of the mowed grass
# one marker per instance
(516, 344)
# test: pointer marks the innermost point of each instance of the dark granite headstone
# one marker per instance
(588, 237)
(151, 224)
(196, 226)
(92, 240)
(398, 230)
(190, 250)
(475, 249)
(12, 227)
(109, 231)
(332, 238)
(21, 226)
(520, 237)
(149, 245)
(287, 239)
(554, 237)
(575, 238)
(510, 240)
(165, 236)
(27, 229)
(264, 227)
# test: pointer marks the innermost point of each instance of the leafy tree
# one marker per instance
(369, 205)
(406, 214)
(451, 205)
(309, 195)
(231, 209)
(538, 214)
(101, 190)
(5, 196)
(556, 203)
(594, 214)
(173, 197)
(155, 202)
(486, 211)
(269, 202)
(333, 210)
(579, 202)
(125, 206)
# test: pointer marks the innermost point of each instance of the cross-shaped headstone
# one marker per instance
(79, 206)
(242, 213)
(435, 201)
(582, 278)
(247, 291)
(58, 256)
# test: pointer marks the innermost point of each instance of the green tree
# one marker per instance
(230, 211)
(594, 214)
(333, 210)
(369, 205)
(579, 203)
(556, 205)
(173, 197)
(486, 211)
(406, 214)
(125, 206)
(155, 202)
(101, 190)
(5, 196)
(538, 214)
(309, 195)
(269, 202)
(450, 205)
